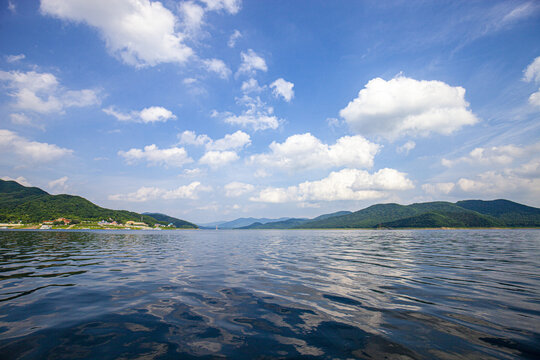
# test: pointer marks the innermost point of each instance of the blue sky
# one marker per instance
(216, 109)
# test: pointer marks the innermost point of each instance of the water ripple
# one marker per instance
(270, 294)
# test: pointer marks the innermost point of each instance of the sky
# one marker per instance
(211, 110)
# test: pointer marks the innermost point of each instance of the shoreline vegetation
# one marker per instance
(30, 208)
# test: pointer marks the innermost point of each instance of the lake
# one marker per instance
(421, 294)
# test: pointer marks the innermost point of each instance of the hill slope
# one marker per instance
(469, 213)
(179, 223)
(292, 222)
(509, 212)
(30, 204)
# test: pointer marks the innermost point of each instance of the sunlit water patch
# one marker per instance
(270, 294)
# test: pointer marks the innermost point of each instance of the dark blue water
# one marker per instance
(270, 294)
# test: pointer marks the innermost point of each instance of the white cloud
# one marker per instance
(534, 99)
(234, 141)
(406, 148)
(189, 81)
(235, 189)
(155, 114)
(438, 188)
(59, 184)
(190, 191)
(140, 32)
(11, 6)
(496, 155)
(217, 66)
(20, 119)
(251, 62)
(251, 85)
(15, 58)
(33, 151)
(257, 115)
(532, 72)
(305, 151)
(234, 37)
(42, 93)
(147, 115)
(408, 107)
(500, 184)
(192, 15)
(193, 172)
(519, 12)
(346, 184)
(217, 159)
(191, 138)
(512, 171)
(174, 156)
(231, 6)
(283, 88)
(21, 180)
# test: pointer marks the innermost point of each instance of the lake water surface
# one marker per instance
(270, 294)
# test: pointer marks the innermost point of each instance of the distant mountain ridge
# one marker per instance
(291, 223)
(31, 204)
(439, 214)
(240, 222)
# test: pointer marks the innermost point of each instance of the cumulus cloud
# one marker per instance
(233, 38)
(305, 151)
(21, 180)
(237, 140)
(283, 88)
(493, 183)
(346, 184)
(192, 16)
(502, 171)
(251, 62)
(217, 159)
(42, 93)
(217, 66)
(256, 115)
(144, 193)
(405, 148)
(407, 107)
(15, 58)
(189, 137)
(147, 115)
(12, 144)
(438, 188)
(234, 141)
(139, 32)
(59, 184)
(251, 85)
(235, 189)
(171, 157)
(495, 155)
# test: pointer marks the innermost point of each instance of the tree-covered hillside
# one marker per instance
(179, 223)
(31, 204)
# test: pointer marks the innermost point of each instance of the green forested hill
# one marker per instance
(181, 224)
(508, 212)
(30, 204)
(468, 213)
(285, 224)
